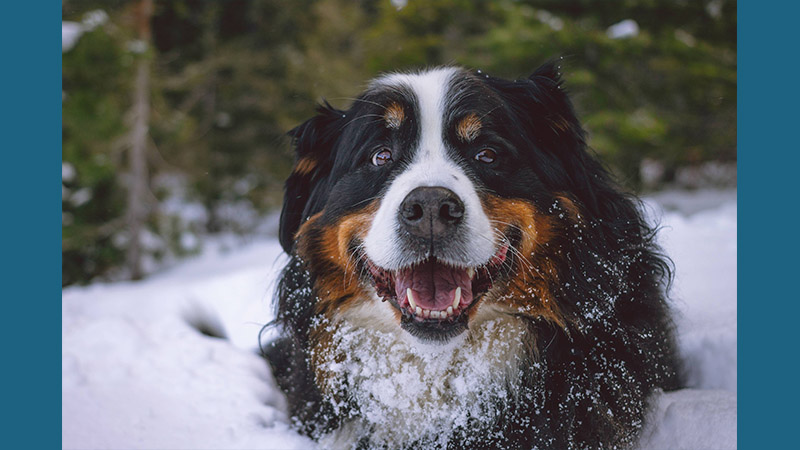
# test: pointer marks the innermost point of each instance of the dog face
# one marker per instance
(448, 203)
(440, 193)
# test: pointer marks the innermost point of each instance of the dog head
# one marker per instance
(441, 192)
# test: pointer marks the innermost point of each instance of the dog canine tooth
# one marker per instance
(457, 298)
(410, 295)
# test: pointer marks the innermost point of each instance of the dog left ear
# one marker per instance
(542, 108)
(313, 142)
(588, 178)
(548, 73)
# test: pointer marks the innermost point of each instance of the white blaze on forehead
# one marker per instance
(431, 166)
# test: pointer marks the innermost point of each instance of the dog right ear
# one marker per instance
(313, 142)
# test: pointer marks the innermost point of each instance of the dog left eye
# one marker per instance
(486, 155)
(383, 156)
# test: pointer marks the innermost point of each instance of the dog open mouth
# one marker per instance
(434, 296)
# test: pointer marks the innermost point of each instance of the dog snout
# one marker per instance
(431, 212)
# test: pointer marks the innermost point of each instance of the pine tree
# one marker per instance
(138, 183)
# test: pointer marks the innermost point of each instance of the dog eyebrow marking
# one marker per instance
(394, 115)
(572, 209)
(469, 128)
(305, 166)
(559, 122)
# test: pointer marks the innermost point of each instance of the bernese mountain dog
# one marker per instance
(464, 274)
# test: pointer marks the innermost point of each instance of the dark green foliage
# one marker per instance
(94, 73)
(230, 78)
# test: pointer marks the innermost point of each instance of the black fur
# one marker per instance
(583, 386)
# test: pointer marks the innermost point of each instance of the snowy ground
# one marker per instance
(137, 374)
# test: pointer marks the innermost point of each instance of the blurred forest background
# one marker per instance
(175, 112)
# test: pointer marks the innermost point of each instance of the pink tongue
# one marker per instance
(434, 285)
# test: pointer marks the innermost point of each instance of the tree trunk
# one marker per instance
(137, 154)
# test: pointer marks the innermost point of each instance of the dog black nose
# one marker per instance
(431, 212)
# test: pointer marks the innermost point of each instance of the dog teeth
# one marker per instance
(471, 273)
(410, 295)
(426, 313)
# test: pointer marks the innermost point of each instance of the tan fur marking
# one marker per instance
(469, 128)
(337, 287)
(394, 115)
(321, 352)
(528, 291)
(337, 284)
(305, 166)
(570, 207)
(560, 122)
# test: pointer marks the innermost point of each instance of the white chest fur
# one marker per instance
(406, 390)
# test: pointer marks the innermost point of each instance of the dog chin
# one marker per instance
(437, 345)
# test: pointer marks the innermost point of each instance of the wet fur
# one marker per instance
(592, 296)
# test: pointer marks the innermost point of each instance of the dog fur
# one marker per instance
(563, 333)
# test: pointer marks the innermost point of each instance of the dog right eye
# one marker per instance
(381, 157)
(486, 156)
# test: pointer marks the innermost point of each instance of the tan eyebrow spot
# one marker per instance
(394, 115)
(469, 128)
(305, 166)
(560, 122)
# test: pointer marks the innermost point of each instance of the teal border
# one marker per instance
(769, 184)
(30, 221)
(768, 118)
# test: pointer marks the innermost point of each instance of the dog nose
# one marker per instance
(431, 212)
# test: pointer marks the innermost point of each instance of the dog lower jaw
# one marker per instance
(435, 346)
(434, 332)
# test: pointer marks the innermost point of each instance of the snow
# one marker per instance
(399, 4)
(390, 378)
(625, 29)
(72, 31)
(137, 374)
(551, 20)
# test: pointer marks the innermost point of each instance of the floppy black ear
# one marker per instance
(589, 179)
(540, 101)
(544, 110)
(548, 73)
(313, 142)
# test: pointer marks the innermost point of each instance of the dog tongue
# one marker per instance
(434, 285)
